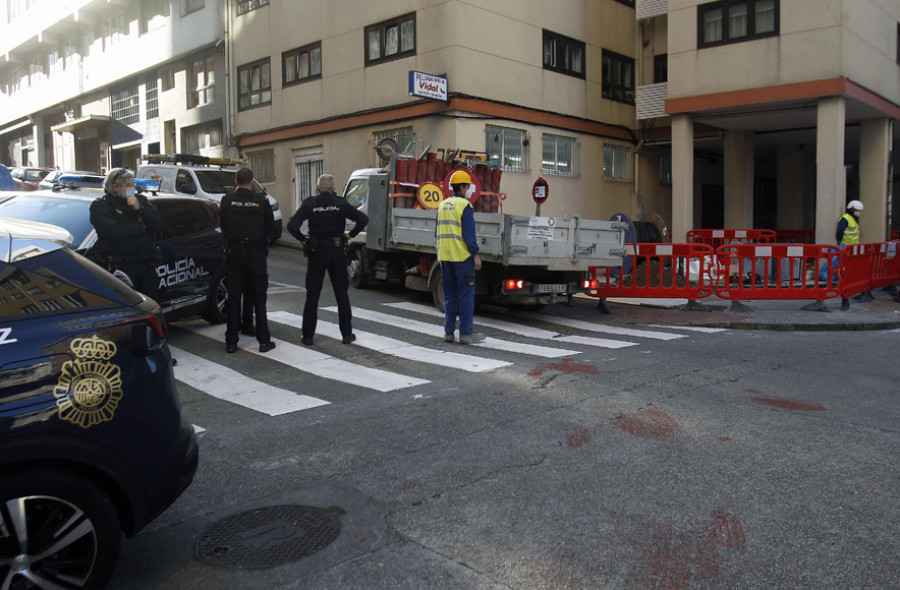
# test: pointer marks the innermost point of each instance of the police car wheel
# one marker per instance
(437, 289)
(356, 268)
(57, 530)
(216, 301)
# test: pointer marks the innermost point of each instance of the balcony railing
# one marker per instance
(650, 8)
(651, 100)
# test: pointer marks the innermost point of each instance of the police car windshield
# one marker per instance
(221, 181)
(71, 214)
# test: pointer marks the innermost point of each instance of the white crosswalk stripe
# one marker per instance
(437, 331)
(229, 385)
(691, 328)
(600, 328)
(322, 365)
(519, 329)
(397, 348)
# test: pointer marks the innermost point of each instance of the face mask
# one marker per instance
(129, 192)
(856, 214)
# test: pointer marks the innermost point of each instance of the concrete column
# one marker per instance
(789, 169)
(39, 157)
(682, 176)
(739, 168)
(874, 151)
(831, 176)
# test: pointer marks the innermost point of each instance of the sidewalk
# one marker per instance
(786, 315)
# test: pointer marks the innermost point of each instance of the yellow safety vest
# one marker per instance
(450, 244)
(851, 232)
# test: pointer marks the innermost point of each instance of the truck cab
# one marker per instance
(200, 176)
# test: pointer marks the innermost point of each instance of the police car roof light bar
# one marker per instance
(191, 160)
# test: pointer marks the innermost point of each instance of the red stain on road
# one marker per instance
(728, 530)
(498, 393)
(789, 404)
(579, 437)
(753, 391)
(566, 366)
(648, 423)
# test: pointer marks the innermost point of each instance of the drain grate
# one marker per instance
(267, 537)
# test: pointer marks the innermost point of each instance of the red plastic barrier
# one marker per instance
(895, 234)
(779, 271)
(721, 237)
(795, 236)
(885, 265)
(659, 271)
(856, 274)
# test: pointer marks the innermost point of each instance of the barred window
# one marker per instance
(558, 155)
(263, 165)
(202, 136)
(302, 64)
(151, 97)
(404, 138)
(505, 148)
(307, 176)
(126, 107)
(617, 163)
(248, 5)
(665, 169)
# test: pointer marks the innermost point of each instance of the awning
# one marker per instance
(97, 121)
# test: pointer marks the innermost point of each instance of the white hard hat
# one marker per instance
(855, 205)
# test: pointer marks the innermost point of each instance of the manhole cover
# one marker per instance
(267, 537)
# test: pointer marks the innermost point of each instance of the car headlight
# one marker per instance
(275, 206)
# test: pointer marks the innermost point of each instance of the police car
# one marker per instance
(92, 440)
(191, 268)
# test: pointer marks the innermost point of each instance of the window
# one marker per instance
(182, 217)
(153, 14)
(307, 175)
(71, 54)
(248, 5)
(357, 192)
(563, 55)
(125, 106)
(254, 85)
(202, 136)
(37, 69)
(665, 169)
(167, 78)
(114, 30)
(55, 63)
(192, 6)
(618, 77)
(391, 39)
(505, 147)
(404, 138)
(617, 163)
(202, 83)
(263, 165)
(301, 65)
(660, 69)
(151, 97)
(558, 155)
(733, 21)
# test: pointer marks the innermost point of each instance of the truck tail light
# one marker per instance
(589, 284)
(514, 284)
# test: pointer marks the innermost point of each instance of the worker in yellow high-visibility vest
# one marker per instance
(457, 251)
(848, 227)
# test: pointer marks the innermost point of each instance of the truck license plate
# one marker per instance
(557, 288)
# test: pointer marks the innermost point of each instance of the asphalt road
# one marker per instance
(558, 456)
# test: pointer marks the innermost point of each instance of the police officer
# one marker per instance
(246, 220)
(127, 224)
(325, 249)
(457, 251)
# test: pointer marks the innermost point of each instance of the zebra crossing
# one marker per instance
(227, 384)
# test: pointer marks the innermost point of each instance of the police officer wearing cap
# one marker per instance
(326, 251)
(127, 224)
(246, 220)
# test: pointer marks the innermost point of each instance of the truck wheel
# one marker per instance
(62, 530)
(356, 268)
(437, 289)
(216, 301)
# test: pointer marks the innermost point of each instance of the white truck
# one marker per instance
(527, 261)
(201, 176)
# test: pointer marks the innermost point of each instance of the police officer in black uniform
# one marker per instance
(246, 220)
(326, 250)
(127, 225)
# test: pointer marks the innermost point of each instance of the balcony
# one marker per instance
(651, 100)
(650, 8)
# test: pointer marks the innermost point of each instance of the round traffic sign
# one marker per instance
(474, 188)
(430, 196)
(540, 191)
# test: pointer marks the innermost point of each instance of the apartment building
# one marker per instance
(542, 88)
(771, 113)
(92, 84)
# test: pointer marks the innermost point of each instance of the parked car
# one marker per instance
(200, 176)
(52, 178)
(92, 440)
(28, 179)
(191, 270)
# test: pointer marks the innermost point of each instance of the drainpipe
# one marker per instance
(229, 115)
